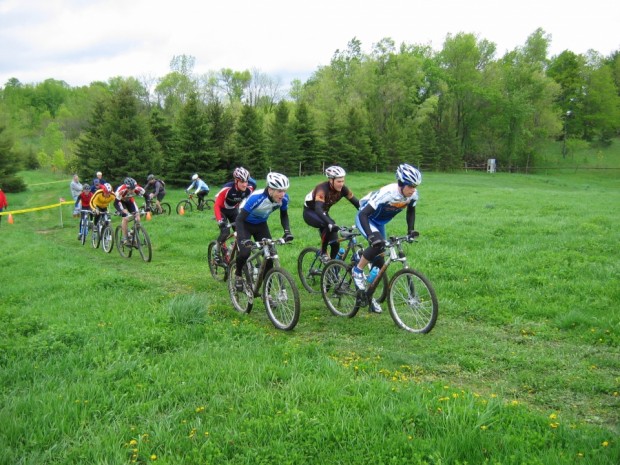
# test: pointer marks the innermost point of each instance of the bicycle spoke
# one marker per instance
(412, 301)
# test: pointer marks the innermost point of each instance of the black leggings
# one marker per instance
(328, 237)
(231, 216)
(258, 232)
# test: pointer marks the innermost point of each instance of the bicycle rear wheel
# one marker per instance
(281, 299)
(107, 239)
(123, 249)
(309, 269)
(142, 241)
(242, 300)
(218, 269)
(165, 209)
(187, 206)
(208, 204)
(412, 301)
(338, 289)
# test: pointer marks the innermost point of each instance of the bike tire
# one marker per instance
(281, 299)
(166, 209)
(123, 250)
(84, 231)
(95, 238)
(187, 206)
(412, 301)
(142, 241)
(208, 204)
(309, 269)
(218, 269)
(244, 300)
(107, 239)
(338, 289)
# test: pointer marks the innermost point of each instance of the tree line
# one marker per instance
(364, 111)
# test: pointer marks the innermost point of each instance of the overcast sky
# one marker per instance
(80, 41)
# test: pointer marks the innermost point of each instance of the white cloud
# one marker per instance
(80, 41)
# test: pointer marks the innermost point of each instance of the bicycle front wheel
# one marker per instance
(281, 299)
(185, 205)
(107, 239)
(95, 238)
(412, 301)
(338, 289)
(309, 269)
(242, 300)
(124, 250)
(143, 243)
(218, 269)
(84, 230)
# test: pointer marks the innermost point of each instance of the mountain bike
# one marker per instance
(279, 291)
(86, 225)
(102, 233)
(411, 298)
(311, 262)
(137, 238)
(219, 263)
(151, 206)
(191, 203)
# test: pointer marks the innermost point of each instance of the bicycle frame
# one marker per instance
(264, 251)
(394, 252)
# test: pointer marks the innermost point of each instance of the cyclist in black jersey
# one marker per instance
(319, 201)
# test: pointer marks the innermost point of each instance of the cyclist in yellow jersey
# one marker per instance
(100, 200)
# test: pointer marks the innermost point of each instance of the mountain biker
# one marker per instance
(253, 215)
(125, 204)
(318, 202)
(376, 210)
(201, 189)
(84, 199)
(156, 189)
(100, 201)
(227, 200)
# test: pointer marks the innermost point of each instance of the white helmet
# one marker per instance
(277, 181)
(241, 173)
(194, 177)
(335, 172)
(408, 175)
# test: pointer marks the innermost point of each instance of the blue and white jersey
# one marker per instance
(387, 203)
(259, 206)
(199, 184)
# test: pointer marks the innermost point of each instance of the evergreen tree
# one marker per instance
(91, 151)
(249, 143)
(168, 141)
(220, 124)
(306, 141)
(195, 154)
(280, 138)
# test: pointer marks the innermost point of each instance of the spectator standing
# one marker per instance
(76, 190)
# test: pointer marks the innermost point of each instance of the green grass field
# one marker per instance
(106, 360)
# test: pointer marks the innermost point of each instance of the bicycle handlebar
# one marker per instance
(265, 241)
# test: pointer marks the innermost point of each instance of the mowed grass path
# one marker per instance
(107, 360)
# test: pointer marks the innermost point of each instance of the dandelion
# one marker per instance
(206, 434)
(484, 427)
(554, 425)
(153, 457)
(493, 396)
(133, 442)
(553, 416)
(514, 402)
(605, 443)
(200, 409)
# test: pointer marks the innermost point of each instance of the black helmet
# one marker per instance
(130, 183)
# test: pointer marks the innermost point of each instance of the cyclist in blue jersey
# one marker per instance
(202, 189)
(252, 219)
(376, 210)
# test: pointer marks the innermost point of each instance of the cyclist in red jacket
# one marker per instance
(125, 203)
(226, 206)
